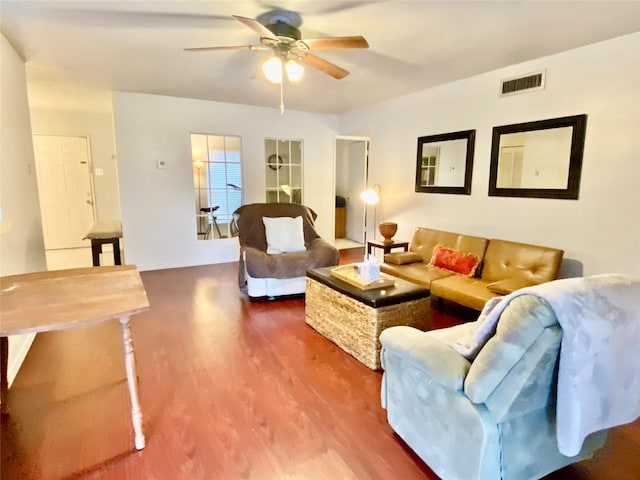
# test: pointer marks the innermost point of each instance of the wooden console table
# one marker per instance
(64, 299)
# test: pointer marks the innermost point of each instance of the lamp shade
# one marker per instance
(294, 70)
(370, 196)
(272, 69)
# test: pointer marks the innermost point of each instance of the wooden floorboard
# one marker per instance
(230, 389)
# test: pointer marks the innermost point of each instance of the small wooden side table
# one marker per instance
(64, 299)
(386, 247)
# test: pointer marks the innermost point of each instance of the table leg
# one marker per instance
(116, 252)
(130, 366)
(4, 382)
(96, 250)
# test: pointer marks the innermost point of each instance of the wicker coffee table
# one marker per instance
(353, 318)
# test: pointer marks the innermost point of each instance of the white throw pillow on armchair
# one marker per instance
(284, 234)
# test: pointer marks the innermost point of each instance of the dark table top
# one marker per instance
(381, 244)
(402, 291)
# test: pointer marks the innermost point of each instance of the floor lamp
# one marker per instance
(371, 196)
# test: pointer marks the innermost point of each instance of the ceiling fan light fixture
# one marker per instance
(294, 70)
(272, 69)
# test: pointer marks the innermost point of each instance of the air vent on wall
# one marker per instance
(521, 84)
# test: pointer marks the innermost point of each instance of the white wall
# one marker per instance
(600, 232)
(158, 204)
(21, 240)
(98, 127)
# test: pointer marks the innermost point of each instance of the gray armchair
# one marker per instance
(264, 274)
(493, 417)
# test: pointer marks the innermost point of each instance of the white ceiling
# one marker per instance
(77, 51)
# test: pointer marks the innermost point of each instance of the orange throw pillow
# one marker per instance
(454, 261)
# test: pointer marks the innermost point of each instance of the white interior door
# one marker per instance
(64, 186)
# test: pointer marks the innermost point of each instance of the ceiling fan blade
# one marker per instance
(256, 26)
(230, 47)
(330, 43)
(325, 67)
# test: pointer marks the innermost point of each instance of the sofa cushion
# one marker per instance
(402, 258)
(470, 292)
(425, 240)
(534, 263)
(508, 285)
(419, 272)
(454, 261)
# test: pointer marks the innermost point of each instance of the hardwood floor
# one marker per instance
(230, 389)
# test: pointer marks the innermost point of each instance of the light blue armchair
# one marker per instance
(493, 418)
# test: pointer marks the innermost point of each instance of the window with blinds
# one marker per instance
(217, 181)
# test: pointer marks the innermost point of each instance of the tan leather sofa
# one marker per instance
(504, 266)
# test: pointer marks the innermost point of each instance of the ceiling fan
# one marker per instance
(279, 32)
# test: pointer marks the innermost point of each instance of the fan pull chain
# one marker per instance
(282, 96)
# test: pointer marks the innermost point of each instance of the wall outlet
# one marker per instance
(98, 172)
(162, 164)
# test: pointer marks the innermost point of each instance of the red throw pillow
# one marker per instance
(454, 261)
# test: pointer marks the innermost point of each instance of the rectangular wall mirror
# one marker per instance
(540, 159)
(445, 162)
(216, 161)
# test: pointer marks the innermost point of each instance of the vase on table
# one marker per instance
(388, 230)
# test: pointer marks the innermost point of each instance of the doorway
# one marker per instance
(352, 157)
(65, 189)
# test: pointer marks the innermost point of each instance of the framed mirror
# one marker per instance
(445, 162)
(216, 162)
(541, 159)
